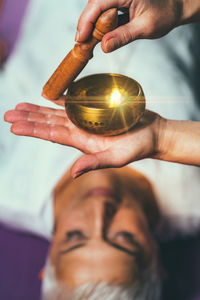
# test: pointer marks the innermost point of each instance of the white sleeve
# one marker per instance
(30, 168)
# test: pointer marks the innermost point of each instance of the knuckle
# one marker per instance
(97, 4)
(92, 2)
(126, 36)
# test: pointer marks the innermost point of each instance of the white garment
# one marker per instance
(30, 168)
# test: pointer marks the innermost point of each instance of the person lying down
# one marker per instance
(103, 245)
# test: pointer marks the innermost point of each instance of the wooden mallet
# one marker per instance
(79, 56)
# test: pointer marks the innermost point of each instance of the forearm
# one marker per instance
(191, 11)
(179, 141)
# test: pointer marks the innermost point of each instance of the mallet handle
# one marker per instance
(78, 57)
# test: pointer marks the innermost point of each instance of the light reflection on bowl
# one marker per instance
(106, 104)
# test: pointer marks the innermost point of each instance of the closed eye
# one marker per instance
(75, 235)
(126, 241)
(74, 239)
(126, 237)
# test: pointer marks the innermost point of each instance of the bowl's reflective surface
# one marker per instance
(106, 104)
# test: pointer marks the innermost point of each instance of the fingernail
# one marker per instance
(6, 117)
(78, 174)
(44, 96)
(111, 45)
(15, 130)
(77, 36)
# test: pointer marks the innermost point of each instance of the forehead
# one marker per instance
(99, 262)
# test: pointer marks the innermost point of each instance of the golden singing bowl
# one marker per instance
(106, 104)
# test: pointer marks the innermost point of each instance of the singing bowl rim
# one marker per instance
(100, 110)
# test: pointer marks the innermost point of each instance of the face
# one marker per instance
(101, 231)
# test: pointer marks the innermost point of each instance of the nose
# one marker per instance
(103, 211)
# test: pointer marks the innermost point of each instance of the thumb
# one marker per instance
(121, 36)
(89, 162)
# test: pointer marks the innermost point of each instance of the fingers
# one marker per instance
(33, 113)
(86, 21)
(49, 132)
(90, 15)
(121, 36)
(40, 109)
(140, 26)
(14, 116)
(46, 123)
(41, 122)
(60, 101)
(100, 160)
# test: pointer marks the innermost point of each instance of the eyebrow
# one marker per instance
(116, 246)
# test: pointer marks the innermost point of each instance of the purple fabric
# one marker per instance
(11, 19)
(22, 257)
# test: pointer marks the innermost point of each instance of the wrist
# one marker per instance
(164, 140)
(190, 11)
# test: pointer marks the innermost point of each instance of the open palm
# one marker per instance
(99, 151)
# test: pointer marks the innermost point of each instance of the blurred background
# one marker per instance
(22, 255)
